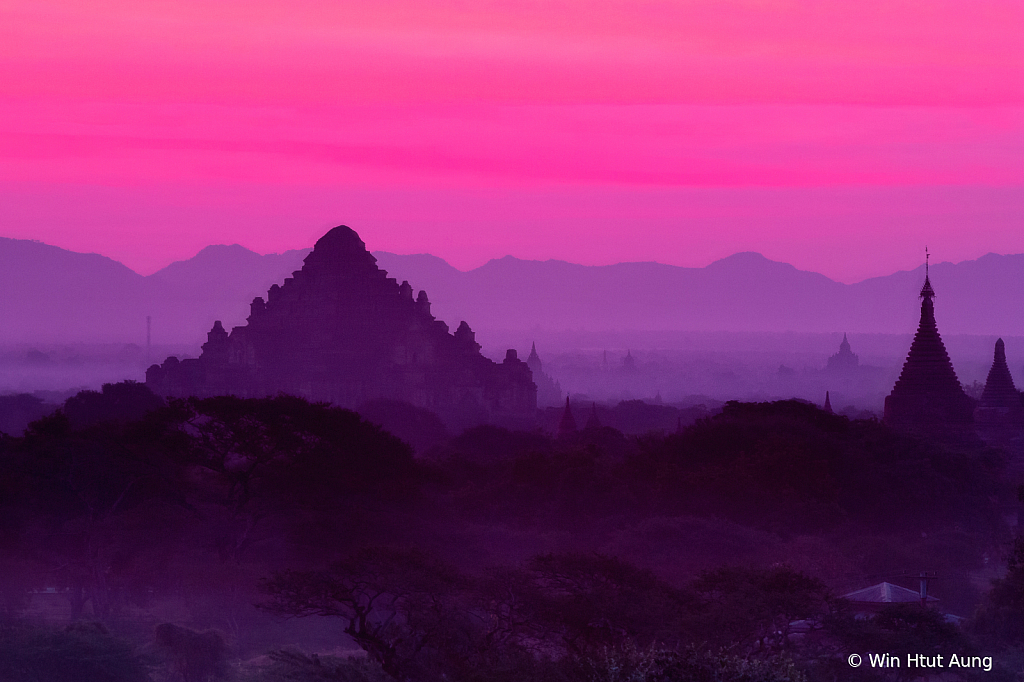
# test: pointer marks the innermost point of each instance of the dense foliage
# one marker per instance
(712, 553)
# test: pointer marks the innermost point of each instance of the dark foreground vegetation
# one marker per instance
(281, 540)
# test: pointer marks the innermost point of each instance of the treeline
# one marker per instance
(500, 555)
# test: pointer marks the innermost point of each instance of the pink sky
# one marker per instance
(838, 136)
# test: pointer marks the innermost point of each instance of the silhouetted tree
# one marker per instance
(400, 606)
(589, 601)
(122, 402)
(291, 665)
(271, 457)
(102, 507)
(419, 427)
(901, 629)
(789, 466)
(17, 411)
(755, 608)
(1000, 618)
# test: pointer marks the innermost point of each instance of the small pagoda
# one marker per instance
(567, 425)
(1000, 413)
(928, 396)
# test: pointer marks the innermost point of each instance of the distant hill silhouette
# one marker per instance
(744, 292)
(47, 293)
(54, 295)
(218, 283)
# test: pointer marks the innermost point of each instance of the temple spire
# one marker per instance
(926, 290)
(568, 423)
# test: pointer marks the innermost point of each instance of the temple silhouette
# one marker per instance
(549, 391)
(341, 331)
(1000, 412)
(928, 396)
(843, 361)
(567, 425)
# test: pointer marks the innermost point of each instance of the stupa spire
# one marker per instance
(568, 423)
(926, 291)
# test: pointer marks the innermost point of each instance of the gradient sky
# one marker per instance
(838, 136)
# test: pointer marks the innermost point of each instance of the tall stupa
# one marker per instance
(928, 396)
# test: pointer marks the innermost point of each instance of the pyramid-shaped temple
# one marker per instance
(928, 396)
(341, 331)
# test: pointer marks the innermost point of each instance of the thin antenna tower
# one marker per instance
(149, 337)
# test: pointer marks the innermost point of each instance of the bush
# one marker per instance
(82, 652)
(194, 656)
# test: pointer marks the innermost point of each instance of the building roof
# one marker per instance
(885, 593)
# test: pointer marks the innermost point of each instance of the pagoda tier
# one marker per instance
(928, 395)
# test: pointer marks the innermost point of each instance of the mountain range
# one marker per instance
(51, 295)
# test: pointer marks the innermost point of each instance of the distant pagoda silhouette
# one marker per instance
(845, 360)
(1000, 413)
(568, 423)
(928, 396)
(629, 362)
(549, 391)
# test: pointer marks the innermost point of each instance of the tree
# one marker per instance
(104, 507)
(755, 608)
(1000, 618)
(589, 601)
(403, 607)
(121, 402)
(899, 629)
(269, 458)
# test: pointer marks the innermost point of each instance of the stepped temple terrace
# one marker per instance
(341, 331)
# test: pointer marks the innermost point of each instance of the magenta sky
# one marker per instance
(839, 136)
